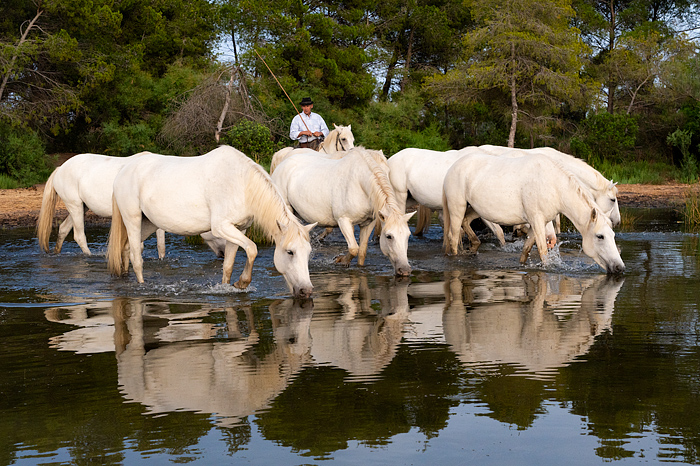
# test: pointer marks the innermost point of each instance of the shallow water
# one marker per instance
(474, 359)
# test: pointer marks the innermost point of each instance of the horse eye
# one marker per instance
(600, 237)
(613, 200)
(389, 237)
(290, 252)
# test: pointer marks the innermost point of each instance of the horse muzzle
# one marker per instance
(404, 271)
(615, 269)
(303, 292)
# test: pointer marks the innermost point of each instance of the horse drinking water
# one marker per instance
(352, 190)
(223, 191)
(533, 189)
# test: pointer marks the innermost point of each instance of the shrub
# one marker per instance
(253, 139)
(128, 139)
(606, 137)
(689, 164)
(22, 156)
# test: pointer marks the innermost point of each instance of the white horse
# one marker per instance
(85, 181)
(222, 191)
(352, 190)
(603, 190)
(340, 139)
(420, 173)
(534, 189)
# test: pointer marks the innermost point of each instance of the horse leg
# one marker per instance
(327, 231)
(453, 214)
(78, 215)
(365, 231)
(349, 235)
(469, 217)
(235, 238)
(63, 230)
(527, 247)
(160, 242)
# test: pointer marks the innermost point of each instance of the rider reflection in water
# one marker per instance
(307, 127)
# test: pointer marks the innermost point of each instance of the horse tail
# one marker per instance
(423, 222)
(116, 244)
(44, 223)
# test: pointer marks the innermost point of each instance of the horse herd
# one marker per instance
(220, 194)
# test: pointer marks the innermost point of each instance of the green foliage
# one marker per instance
(22, 156)
(392, 126)
(691, 212)
(253, 139)
(689, 164)
(637, 171)
(7, 182)
(606, 137)
(128, 139)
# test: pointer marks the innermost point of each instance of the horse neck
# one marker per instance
(330, 142)
(572, 194)
(588, 175)
(381, 192)
(266, 203)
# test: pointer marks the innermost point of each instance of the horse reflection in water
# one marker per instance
(543, 325)
(171, 357)
(349, 333)
(173, 362)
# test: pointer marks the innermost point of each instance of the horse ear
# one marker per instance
(381, 215)
(335, 126)
(349, 127)
(282, 227)
(408, 216)
(310, 226)
(594, 215)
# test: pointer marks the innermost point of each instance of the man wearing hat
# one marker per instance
(308, 127)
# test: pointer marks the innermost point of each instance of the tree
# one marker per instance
(418, 37)
(323, 48)
(605, 23)
(524, 49)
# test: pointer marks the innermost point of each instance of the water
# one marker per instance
(474, 359)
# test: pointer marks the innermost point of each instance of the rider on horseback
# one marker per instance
(307, 127)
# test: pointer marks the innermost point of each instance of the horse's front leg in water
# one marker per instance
(365, 231)
(235, 238)
(349, 234)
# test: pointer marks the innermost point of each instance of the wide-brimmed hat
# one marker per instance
(306, 101)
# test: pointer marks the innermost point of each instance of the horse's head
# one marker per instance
(292, 250)
(599, 243)
(393, 240)
(346, 140)
(607, 201)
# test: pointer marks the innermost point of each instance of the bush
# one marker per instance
(22, 157)
(606, 137)
(128, 139)
(689, 164)
(253, 139)
(396, 125)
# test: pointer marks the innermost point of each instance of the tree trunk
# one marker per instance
(513, 101)
(224, 111)
(390, 74)
(404, 81)
(22, 40)
(611, 81)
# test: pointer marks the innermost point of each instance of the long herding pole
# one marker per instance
(285, 92)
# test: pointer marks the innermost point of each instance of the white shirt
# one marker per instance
(313, 121)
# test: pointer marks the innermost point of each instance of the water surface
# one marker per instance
(474, 359)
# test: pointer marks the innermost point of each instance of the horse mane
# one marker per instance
(269, 206)
(575, 184)
(382, 193)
